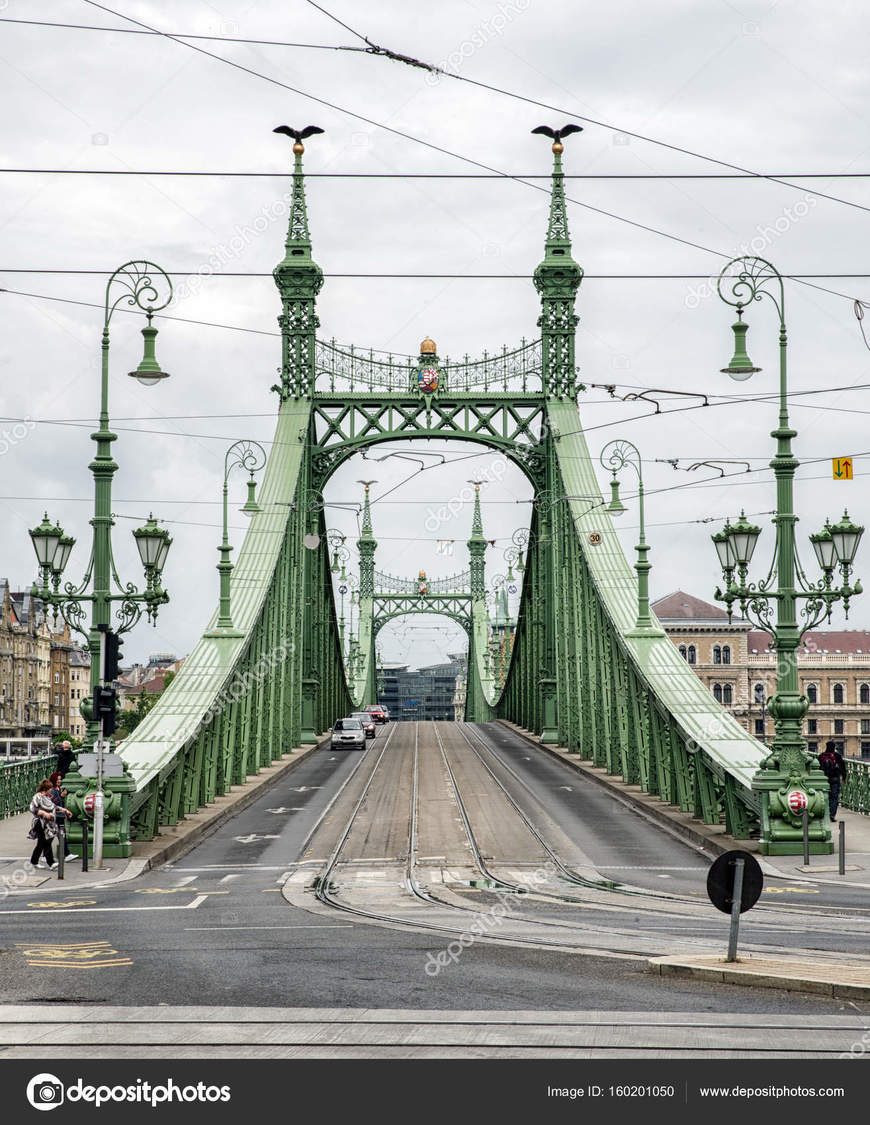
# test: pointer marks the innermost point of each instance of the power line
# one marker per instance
(497, 176)
(447, 152)
(213, 38)
(416, 276)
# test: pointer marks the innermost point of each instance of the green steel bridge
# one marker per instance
(581, 675)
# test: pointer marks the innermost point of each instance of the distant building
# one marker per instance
(427, 693)
(79, 689)
(738, 666)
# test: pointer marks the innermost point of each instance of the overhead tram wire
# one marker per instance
(444, 151)
(218, 174)
(374, 49)
(738, 172)
(416, 275)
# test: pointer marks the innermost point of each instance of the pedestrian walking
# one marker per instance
(833, 765)
(44, 827)
(61, 813)
(65, 755)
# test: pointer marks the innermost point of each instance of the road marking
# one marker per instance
(187, 879)
(306, 788)
(789, 890)
(61, 905)
(568, 787)
(165, 890)
(323, 926)
(80, 955)
(226, 878)
(198, 901)
(252, 838)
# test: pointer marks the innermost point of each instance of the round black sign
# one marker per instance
(720, 881)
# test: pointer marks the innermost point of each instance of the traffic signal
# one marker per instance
(112, 642)
(105, 699)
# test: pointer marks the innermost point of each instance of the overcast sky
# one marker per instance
(776, 88)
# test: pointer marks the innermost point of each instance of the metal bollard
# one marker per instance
(842, 856)
(806, 820)
(61, 845)
(85, 844)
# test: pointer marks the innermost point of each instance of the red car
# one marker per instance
(377, 713)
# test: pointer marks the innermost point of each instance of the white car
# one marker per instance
(348, 734)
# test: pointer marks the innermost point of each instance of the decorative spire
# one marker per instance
(477, 548)
(557, 279)
(299, 279)
(366, 545)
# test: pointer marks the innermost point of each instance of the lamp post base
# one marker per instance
(784, 796)
(218, 634)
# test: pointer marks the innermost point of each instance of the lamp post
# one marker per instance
(786, 780)
(139, 284)
(340, 559)
(615, 456)
(251, 457)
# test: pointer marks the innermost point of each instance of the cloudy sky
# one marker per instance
(777, 88)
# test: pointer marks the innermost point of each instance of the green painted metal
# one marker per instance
(581, 673)
(855, 791)
(18, 782)
(785, 604)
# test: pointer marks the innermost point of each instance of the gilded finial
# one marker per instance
(428, 347)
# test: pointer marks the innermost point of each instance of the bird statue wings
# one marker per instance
(298, 135)
(558, 134)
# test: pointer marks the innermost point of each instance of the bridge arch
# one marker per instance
(581, 675)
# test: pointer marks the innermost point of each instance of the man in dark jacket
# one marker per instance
(65, 756)
(833, 766)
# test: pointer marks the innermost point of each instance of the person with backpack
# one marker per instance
(833, 765)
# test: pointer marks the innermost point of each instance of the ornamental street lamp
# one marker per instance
(788, 769)
(251, 457)
(139, 284)
(615, 456)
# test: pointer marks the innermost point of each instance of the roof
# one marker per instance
(681, 606)
(818, 641)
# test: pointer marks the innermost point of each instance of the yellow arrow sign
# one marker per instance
(842, 467)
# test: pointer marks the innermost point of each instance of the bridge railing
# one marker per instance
(393, 584)
(18, 782)
(349, 370)
(855, 791)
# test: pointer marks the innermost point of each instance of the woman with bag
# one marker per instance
(44, 827)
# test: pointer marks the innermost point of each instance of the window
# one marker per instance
(813, 726)
(813, 747)
(726, 654)
(865, 749)
(727, 695)
(838, 726)
(691, 654)
(717, 654)
(865, 726)
(758, 693)
(57, 699)
(812, 693)
(838, 693)
(759, 727)
(864, 694)
(717, 692)
(683, 651)
(57, 677)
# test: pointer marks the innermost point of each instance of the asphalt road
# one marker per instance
(213, 928)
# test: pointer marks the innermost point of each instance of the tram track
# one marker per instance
(328, 892)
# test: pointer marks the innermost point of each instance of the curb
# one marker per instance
(186, 834)
(733, 974)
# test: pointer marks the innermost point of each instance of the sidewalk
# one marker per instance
(18, 877)
(846, 982)
(713, 837)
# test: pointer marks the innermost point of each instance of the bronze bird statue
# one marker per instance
(558, 134)
(298, 135)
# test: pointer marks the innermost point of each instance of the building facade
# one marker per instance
(428, 693)
(738, 666)
(79, 689)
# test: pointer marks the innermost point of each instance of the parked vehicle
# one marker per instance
(377, 712)
(368, 723)
(348, 734)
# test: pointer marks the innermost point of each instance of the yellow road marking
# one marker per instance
(62, 905)
(789, 890)
(83, 955)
